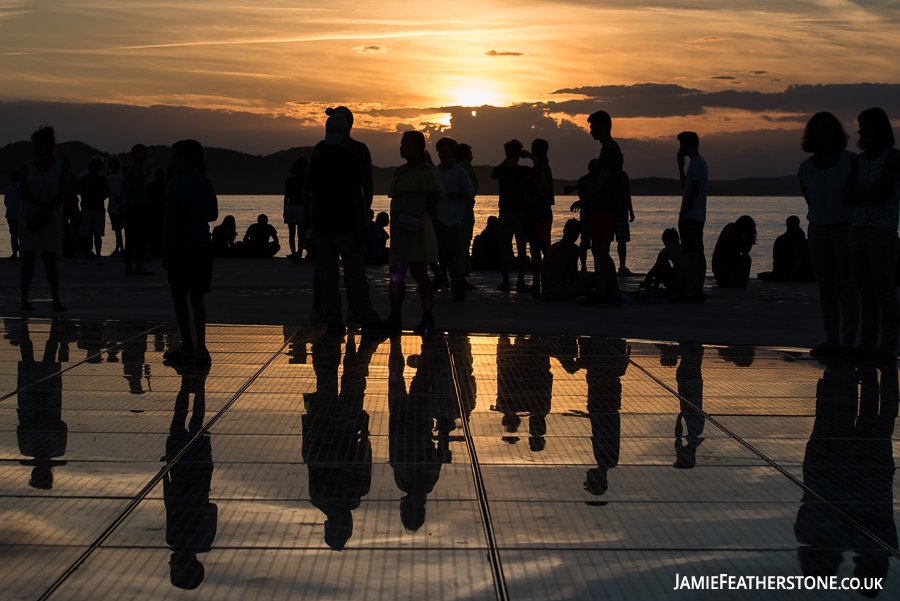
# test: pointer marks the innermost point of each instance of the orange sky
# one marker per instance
(280, 58)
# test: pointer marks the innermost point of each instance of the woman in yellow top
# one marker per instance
(415, 194)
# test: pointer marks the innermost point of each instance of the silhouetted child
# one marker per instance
(376, 253)
(560, 278)
(671, 269)
(188, 255)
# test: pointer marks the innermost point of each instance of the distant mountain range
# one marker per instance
(239, 173)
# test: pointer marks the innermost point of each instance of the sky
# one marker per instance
(257, 76)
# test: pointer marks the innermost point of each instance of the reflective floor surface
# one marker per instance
(310, 465)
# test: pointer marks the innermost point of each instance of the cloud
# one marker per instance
(759, 72)
(724, 77)
(495, 53)
(706, 40)
(371, 49)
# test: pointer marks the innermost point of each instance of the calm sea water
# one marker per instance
(653, 214)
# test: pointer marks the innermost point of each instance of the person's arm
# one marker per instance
(368, 184)
(593, 188)
(287, 196)
(630, 206)
(274, 233)
(850, 184)
(169, 227)
(883, 189)
(64, 184)
(214, 206)
(360, 214)
(805, 193)
(660, 258)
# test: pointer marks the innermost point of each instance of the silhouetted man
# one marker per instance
(692, 215)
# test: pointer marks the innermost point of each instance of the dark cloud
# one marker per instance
(495, 53)
(638, 100)
(787, 119)
(776, 79)
(725, 77)
(759, 72)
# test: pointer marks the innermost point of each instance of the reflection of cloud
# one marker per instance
(495, 53)
(371, 49)
(725, 77)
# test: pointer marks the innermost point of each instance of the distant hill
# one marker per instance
(240, 173)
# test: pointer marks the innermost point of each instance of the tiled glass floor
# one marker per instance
(323, 466)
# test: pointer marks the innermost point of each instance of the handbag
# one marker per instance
(408, 223)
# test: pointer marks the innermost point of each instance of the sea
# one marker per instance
(653, 214)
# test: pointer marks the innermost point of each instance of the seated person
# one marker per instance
(486, 246)
(671, 268)
(376, 253)
(560, 278)
(803, 269)
(223, 236)
(256, 240)
(731, 260)
(783, 254)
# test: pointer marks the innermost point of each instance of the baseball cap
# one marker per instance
(335, 127)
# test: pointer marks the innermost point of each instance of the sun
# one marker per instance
(474, 93)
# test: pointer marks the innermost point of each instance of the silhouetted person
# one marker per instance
(377, 252)
(512, 179)
(872, 188)
(671, 268)
(561, 279)
(191, 519)
(731, 262)
(463, 157)
(137, 211)
(623, 229)
(849, 463)
(116, 206)
(784, 256)
(456, 190)
(822, 180)
(44, 188)
(156, 208)
(359, 149)
(261, 239)
(413, 453)
(690, 422)
(223, 239)
(517, 395)
(486, 246)
(71, 215)
(584, 212)
(11, 200)
(42, 434)
(692, 215)
(293, 206)
(336, 446)
(191, 203)
(602, 193)
(94, 192)
(134, 357)
(537, 215)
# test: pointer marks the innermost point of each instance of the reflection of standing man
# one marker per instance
(41, 433)
(191, 520)
(336, 445)
(689, 377)
(517, 395)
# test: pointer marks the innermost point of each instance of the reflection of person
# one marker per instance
(517, 395)
(41, 433)
(689, 377)
(191, 520)
(822, 179)
(413, 455)
(731, 262)
(604, 371)
(873, 187)
(336, 445)
(849, 464)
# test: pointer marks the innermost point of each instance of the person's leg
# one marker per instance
(140, 233)
(871, 314)
(585, 243)
(449, 264)
(506, 236)
(13, 236)
(846, 282)
(199, 307)
(130, 241)
(612, 281)
(536, 263)
(466, 230)
(26, 273)
(98, 245)
(292, 242)
(883, 260)
(824, 264)
(328, 275)
(743, 274)
(183, 317)
(623, 254)
(52, 270)
(701, 273)
(600, 252)
(521, 248)
(397, 291)
(356, 281)
(419, 271)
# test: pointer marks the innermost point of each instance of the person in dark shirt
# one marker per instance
(359, 150)
(784, 252)
(256, 240)
(538, 213)
(602, 194)
(731, 261)
(340, 229)
(156, 204)
(293, 206)
(486, 246)
(560, 278)
(512, 178)
(94, 191)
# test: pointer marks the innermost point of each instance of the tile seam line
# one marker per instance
(71, 367)
(877, 540)
(500, 588)
(136, 500)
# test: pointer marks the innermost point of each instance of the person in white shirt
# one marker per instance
(692, 215)
(457, 190)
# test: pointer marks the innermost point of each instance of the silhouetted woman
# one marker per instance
(415, 193)
(44, 189)
(223, 236)
(731, 261)
(822, 179)
(872, 187)
(293, 206)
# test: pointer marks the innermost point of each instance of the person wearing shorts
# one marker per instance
(692, 215)
(94, 191)
(623, 230)
(512, 179)
(538, 213)
(191, 204)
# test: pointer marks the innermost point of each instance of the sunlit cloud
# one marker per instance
(495, 53)
(371, 49)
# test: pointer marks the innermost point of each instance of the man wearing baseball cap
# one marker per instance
(357, 148)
